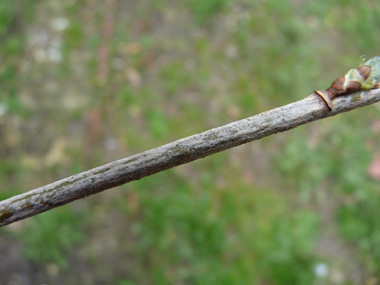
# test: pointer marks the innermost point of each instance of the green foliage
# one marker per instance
(290, 262)
(347, 168)
(49, 236)
(157, 124)
(186, 234)
(125, 282)
(343, 160)
(13, 46)
(174, 77)
(204, 9)
(360, 226)
(74, 35)
(364, 25)
(8, 11)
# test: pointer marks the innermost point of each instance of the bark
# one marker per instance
(176, 153)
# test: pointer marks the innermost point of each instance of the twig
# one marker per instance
(176, 153)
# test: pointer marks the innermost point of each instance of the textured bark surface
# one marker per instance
(176, 153)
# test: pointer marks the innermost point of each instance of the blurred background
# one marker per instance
(83, 83)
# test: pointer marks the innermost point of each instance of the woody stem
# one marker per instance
(176, 153)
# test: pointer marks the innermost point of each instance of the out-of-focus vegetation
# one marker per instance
(83, 83)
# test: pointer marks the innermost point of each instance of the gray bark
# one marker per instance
(176, 153)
